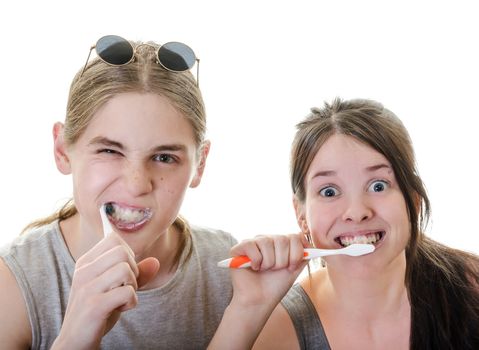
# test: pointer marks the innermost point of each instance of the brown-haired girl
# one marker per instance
(354, 180)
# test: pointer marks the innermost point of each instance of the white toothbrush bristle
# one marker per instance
(360, 249)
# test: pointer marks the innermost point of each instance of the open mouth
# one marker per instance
(126, 217)
(368, 238)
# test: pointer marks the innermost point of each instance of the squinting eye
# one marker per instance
(107, 150)
(329, 192)
(378, 186)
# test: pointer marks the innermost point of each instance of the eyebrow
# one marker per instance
(378, 166)
(369, 169)
(100, 140)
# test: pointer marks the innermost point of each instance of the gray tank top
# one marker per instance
(182, 314)
(307, 324)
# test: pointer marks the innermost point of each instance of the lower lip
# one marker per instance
(130, 228)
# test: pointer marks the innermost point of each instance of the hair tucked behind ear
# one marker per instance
(442, 283)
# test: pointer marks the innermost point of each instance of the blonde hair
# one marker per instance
(99, 82)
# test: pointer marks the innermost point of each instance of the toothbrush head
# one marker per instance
(105, 209)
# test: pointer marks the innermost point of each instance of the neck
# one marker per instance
(164, 248)
(366, 295)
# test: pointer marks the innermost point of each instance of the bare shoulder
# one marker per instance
(278, 332)
(15, 332)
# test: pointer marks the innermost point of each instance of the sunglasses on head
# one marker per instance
(117, 51)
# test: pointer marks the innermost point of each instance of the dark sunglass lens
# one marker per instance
(114, 49)
(176, 56)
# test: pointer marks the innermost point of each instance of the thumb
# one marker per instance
(148, 268)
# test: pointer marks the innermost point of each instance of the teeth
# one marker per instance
(366, 239)
(128, 215)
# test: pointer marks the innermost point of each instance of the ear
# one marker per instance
(59, 149)
(300, 215)
(417, 202)
(205, 150)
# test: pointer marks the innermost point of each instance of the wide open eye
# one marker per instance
(329, 192)
(378, 186)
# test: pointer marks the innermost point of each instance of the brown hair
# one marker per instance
(99, 82)
(442, 283)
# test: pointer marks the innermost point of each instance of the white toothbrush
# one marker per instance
(242, 261)
(107, 229)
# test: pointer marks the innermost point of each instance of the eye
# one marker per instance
(108, 151)
(378, 186)
(329, 192)
(164, 158)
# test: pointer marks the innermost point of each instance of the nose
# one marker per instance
(357, 210)
(138, 179)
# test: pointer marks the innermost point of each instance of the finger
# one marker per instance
(116, 276)
(281, 249)
(296, 250)
(104, 262)
(148, 268)
(249, 248)
(117, 299)
(103, 246)
(266, 247)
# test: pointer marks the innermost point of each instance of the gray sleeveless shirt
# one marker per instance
(307, 324)
(182, 314)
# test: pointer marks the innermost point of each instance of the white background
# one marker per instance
(263, 65)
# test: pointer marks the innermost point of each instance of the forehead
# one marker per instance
(140, 118)
(341, 151)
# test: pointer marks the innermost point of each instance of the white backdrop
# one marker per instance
(263, 65)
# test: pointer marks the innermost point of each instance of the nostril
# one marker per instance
(357, 209)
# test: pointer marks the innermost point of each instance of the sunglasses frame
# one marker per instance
(134, 49)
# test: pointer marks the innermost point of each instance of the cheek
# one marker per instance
(171, 191)
(394, 211)
(92, 179)
(173, 186)
(320, 217)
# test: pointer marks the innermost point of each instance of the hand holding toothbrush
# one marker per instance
(263, 270)
(276, 262)
(104, 285)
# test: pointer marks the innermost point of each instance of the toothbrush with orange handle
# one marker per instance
(358, 249)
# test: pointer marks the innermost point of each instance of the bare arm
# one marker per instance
(278, 333)
(15, 332)
(240, 327)
(276, 262)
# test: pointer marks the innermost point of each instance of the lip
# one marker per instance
(128, 226)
